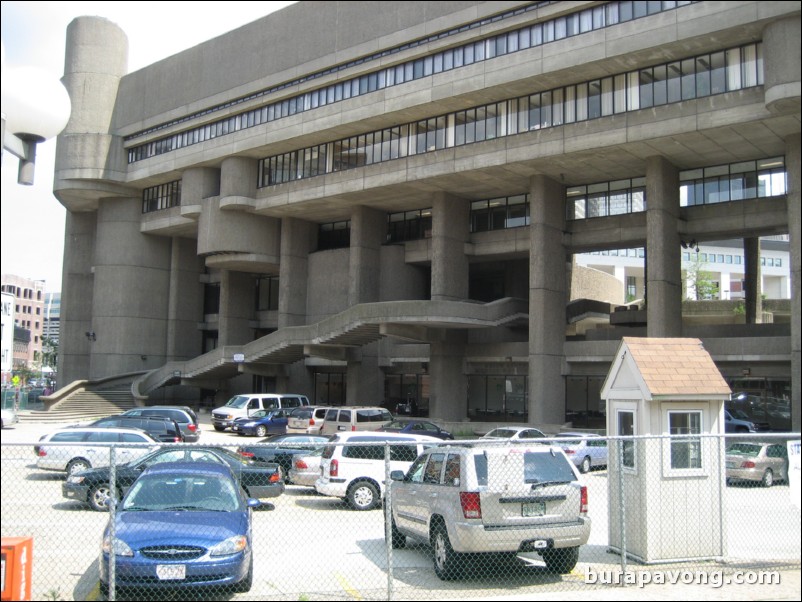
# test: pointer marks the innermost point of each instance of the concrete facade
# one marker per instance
(406, 175)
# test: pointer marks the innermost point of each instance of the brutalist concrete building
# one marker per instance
(379, 202)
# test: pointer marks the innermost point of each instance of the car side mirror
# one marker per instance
(254, 503)
(397, 475)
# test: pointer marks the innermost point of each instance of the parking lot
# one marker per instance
(307, 546)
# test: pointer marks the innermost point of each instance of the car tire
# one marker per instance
(261, 430)
(447, 562)
(247, 583)
(77, 465)
(768, 478)
(363, 495)
(98, 495)
(219, 429)
(561, 560)
(585, 466)
(397, 539)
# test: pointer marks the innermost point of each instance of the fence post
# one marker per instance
(622, 515)
(112, 522)
(388, 517)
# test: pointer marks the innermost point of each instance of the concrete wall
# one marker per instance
(328, 284)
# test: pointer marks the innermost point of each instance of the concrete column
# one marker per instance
(451, 218)
(76, 297)
(753, 278)
(368, 229)
(298, 239)
(185, 308)
(781, 60)
(131, 292)
(364, 378)
(236, 308)
(547, 301)
(793, 157)
(448, 395)
(663, 259)
(199, 183)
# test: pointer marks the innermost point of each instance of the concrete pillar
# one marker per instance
(131, 292)
(298, 239)
(547, 301)
(199, 183)
(185, 308)
(451, 218)
(781, 60)
(236, 308)
(448, 394)
(663, 259)
(76, 297)
(364, 378)
(368, 229)
(793, 158)
(753, 278)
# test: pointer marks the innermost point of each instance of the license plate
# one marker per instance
(171, 572)
(529, 509)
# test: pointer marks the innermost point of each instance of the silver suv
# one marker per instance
(491, 498)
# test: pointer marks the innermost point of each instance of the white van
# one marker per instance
(352, 466)
(242, 406)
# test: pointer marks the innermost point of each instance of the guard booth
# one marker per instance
(666, 483)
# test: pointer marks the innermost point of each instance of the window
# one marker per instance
(626, 428)
(686, 449)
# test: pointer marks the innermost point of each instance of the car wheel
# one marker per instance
(447, 562)
(246, 584)
(77, 465)
(397, 539)
(585, 466)
(98, 496)
(768, 478)
(363, 495)
(219, 429)
(561, 560)
(261, 430)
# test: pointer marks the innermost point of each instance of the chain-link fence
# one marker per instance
(459, 519)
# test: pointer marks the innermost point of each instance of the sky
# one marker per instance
(34, 34)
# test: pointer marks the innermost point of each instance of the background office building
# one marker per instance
(386, 202)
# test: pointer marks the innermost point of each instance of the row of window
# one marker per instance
(562, 27)
(772, 262)
(21, 293)
(161, 197)
(569, 104)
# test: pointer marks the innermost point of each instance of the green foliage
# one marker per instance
(700, 281)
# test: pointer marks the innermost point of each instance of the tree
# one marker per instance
(49, 352)
(700, 281)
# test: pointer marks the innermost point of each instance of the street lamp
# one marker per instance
(35, 107)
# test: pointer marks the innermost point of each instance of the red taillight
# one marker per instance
(334, 468)
(748, 464)
(471, 504)
(42, 452)
(311, 422)
(275, 477)
(569, 452)
(583, 501)
(353, 427)
(246, 454)
(192, 427)
(301, 465)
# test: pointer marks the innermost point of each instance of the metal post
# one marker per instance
(112, 522)
(388, 517)
(622, 508)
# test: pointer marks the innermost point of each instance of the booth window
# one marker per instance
(685, 429)
(626, 428)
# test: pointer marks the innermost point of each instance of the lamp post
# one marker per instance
(35, 107)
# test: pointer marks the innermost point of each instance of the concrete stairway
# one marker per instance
(84, 405)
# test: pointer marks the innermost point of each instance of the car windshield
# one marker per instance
(744, 449)
(502, 433)
(164, 492)
(396, 424)
(239, 401)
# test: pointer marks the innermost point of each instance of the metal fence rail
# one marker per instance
(662, 510)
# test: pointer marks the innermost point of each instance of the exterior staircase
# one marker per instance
(84, 405)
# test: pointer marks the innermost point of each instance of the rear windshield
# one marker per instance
(301, 413)
(539, 467)
(744, 449)
(373, 416)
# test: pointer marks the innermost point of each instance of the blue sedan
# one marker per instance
(262, 423)
(183, 524)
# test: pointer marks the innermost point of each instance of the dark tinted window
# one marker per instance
(403, 453)
(70, 436)
(364, 452)
(539, 467)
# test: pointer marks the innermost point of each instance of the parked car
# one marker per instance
(416, 427)
(736, 421)
(183, 415)
(161, 428)
(355, 418)
(258, 479)
(585, 450)
(515, 433)
(763, 462)
(9, 417)
(262, 423)
(243, 406)
(352, 466)
(90, 447)
(181, 524)
(306, 468)
(307, 420)
(484, 498)
(282, 449)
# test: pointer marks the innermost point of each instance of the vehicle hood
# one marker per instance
(155, 528)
